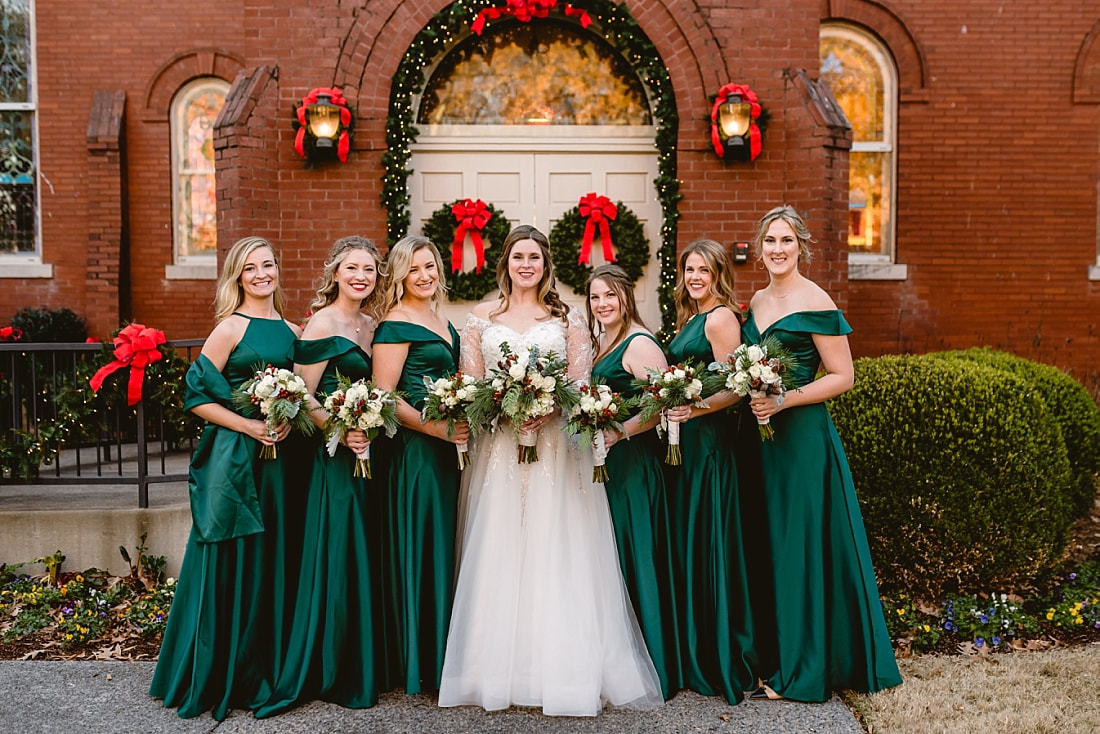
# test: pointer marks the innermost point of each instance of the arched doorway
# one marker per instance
(529, 117)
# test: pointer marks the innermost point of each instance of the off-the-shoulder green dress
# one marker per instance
(712, 542)
(639, 511)
(230, 619)
(831, 630)
(422, 511)
(336, 650)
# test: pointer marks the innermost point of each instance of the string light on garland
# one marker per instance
(615, 24)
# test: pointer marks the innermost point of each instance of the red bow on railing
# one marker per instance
(343, 144)
(755, 142)
(10, 334)
(472, 217)
(525, 10)
(136, 348)
(597, 210)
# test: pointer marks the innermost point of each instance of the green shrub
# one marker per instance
(962, 474)
(55, 325)
(1071, 408)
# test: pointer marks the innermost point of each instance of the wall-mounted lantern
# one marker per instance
(323, 122)
(734, 132)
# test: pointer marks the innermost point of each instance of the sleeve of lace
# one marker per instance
(470, 360)
(578, 348)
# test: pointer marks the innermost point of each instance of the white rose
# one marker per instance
(679, 374)
(755, 353)
(517, 371)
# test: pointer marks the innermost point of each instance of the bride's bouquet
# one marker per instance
(276, 395)
(599, 408)
(448, 398)
(362, 406)
(757, 370)
(522, 386)
(679, 384)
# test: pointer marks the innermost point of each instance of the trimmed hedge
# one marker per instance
(962, 474)
(1071, 408)
(54, 325)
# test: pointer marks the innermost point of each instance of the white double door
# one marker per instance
(537, 187)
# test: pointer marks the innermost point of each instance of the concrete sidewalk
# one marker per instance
(112, 697)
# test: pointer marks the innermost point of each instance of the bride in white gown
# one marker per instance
(541, 615)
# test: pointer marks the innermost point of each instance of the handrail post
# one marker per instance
(142, 458)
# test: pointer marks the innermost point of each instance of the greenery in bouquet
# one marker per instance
(679, 384)
(278, 396)
(599, 409)
(757, 370)
(359, 406)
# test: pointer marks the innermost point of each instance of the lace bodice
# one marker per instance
(481, 340)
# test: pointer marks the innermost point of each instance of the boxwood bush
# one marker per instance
(961, 472)
(1070, 406)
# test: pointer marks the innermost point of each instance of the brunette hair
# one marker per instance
(548, 292)
(721, 284)
(619, 283)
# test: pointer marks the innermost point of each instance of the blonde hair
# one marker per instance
(328, 290)
(548, 292)
(398, 265)
(619, 283)
(721, 283)
(229, 293)
(789, 215)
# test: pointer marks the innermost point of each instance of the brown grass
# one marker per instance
(1017, 693)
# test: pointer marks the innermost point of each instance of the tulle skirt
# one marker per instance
(541, 615)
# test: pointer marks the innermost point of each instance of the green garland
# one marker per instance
(471, 285)
(627, 233)
(619, 28)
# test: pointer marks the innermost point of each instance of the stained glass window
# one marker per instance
(194, 110)
(18, 178)
(536, 73)
(862, 76)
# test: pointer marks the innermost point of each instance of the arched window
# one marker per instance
(18, 174)
(194, 109)
(861, 74)
(545, 73)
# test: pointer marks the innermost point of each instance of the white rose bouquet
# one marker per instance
(363, 406)
(276, 395)
(679, 384)
(757, 370)
(448, 398)
(599, 408)
(522, 386)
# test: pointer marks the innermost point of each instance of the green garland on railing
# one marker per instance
(619, 28)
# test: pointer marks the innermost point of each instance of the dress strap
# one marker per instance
(238, 313)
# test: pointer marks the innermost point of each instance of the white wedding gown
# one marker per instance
(541, 615)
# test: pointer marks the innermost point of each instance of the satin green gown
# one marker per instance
(230, 620)
(422, 513)
(712, 508)
(639, 512)
(335, 644)
(832, 634)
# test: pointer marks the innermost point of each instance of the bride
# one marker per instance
(541, 616)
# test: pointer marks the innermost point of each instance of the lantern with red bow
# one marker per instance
(136, 347)
(734, 129)
(323, 123)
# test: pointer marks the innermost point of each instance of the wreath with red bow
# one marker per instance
(468, 223)
(525, 10)
(302, 134)
(596, 222)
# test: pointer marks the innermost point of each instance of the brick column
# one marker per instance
(107, 279)
(246, 159)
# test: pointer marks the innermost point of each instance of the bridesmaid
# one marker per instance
(831, 630)
(335, 638)
(624, 348)
(710, 494)
(236, 590)
(415, 341)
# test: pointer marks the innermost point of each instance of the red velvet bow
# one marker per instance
(343, 143)
(472, 217)
(135, 347)
(524, 11)
(755, 142)
(597, 210)
(10, 334)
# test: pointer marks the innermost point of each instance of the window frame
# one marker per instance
(879, 265)
(29, 264)
(187, 267)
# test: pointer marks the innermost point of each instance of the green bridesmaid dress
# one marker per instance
(422, 513)
(335, 643)
(711, 553)
(230, 619)
(831, 630)
(639, 512)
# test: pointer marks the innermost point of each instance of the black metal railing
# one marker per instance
(55, 430)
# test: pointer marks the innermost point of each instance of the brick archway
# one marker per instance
(182, 68)
(909, 57)
(1086, 72)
